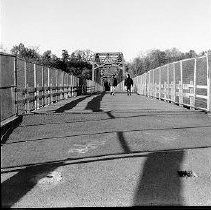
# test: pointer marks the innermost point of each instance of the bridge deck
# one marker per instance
(104, 150)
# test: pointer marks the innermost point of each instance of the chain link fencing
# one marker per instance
(186, 82)
(26, 86)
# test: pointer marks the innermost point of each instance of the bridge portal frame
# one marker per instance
(106, 59)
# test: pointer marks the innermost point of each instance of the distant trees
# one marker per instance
(78, 63)
(29, 54)
(155, 58)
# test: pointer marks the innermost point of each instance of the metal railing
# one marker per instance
(186, 82)
(26, 86)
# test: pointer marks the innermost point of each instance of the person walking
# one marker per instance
(113, 84)
(128, 83)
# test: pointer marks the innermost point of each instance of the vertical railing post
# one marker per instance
(174, 84)
(153, 86)
(46, 86)
(35, 89)
(148, 77)
(51, 85)
(42, 84)
(56, 90)
(68, 86)
(64, 85)
(209, 81)
(145, 83)
(193, 89)
(159, 83)
(87, 86)
(181, 85)
(150, 83)
(15, 84)
(93, 72)
(168, 85)
(59, 84)
(36, 93)
(71, 84)
(27, 99)
(141, 84)
(49, 96)
(140, 87)
(165, 85)
(26, 102)
(77, 86)
(27, 92)
(74, 86)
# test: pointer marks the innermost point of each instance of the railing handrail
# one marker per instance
(165, 89)
(44, 89)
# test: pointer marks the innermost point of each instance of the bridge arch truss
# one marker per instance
(103, 61)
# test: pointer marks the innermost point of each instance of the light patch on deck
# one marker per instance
(81, 148)
(170, 137)
(49, 181)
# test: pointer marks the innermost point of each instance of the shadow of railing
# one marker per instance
(123, 142)
(159, 184)
(113, 131)
(70, 105)
(7, 130)
(14, 188)
(121, 115)
(94, 104)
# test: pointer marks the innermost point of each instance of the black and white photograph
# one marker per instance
(105, 103)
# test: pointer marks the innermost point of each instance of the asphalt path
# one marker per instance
(104, 150)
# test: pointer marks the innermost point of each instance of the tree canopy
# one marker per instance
(77, 63)
(155, 58)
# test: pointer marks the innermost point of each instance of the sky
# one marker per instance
(128, 26)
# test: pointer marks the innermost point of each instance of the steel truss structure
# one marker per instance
(105, 60)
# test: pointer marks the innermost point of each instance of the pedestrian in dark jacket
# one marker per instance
(113, 84)
(128, 84)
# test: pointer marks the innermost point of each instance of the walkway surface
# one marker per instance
(103, 150)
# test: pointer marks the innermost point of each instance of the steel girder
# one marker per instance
(103, 61)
